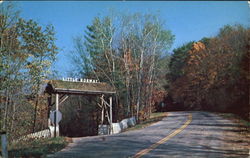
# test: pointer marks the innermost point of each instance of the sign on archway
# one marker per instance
(55, 116)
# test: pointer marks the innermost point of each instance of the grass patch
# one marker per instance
(154, 117)
(237, 119)
(37, 147)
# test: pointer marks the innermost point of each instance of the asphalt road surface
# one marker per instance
(180, 134)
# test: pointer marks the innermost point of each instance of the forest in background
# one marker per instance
(131, 53)
(213, 73)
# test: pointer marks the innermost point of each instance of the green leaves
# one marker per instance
(178, 61)
(27, 51)
(35, 41)
(124, 50)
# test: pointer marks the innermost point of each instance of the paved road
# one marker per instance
(181, 134)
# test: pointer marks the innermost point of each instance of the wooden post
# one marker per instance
(57, 108)
(49, 109)
(57, 101)
(4, 145)
(102, 110)
(110, 103)
(110, 111)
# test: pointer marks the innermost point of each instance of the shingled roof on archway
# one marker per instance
(70, 87)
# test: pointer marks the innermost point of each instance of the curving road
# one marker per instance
(180, 134)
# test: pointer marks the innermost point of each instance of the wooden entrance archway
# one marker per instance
(62, 89)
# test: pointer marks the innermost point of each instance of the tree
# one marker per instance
(39, 45)
(178, 61)
(26, 53)
(124, 51)
(11, 59)
(214, 76)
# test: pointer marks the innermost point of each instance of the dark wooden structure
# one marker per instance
(62, 89)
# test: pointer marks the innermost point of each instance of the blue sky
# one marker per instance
(188, 21)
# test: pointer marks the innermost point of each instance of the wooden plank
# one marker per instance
(64, 99)
(110, 109)
(110, 112)
(102, 118)
(79, 92)
(105, 102)
(57, 108)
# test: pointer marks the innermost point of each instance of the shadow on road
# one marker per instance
(208, 135)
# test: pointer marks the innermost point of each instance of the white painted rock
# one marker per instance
(131, 122)
(116, 128)
(52, 130)
(124, 123)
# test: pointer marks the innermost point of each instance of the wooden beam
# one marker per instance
(110, 109)
(102, 118)
(107, 114)
(57, 108)
(99, 105)
(61, 97)
(105, 102)
(110, 112)
(64, 99)
(81, 92)
(49, 108)
(57, 101)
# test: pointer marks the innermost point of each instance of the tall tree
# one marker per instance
(124, 51)
(26, 53)
(178, 61)
(11, 60)
(39, 45)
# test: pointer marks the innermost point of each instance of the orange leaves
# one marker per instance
(198, 46)
(196, 54)
(130, 63)
(216, 74)
(158, 95)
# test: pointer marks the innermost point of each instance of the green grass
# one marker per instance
(158, 114)
(154, 117)
(37, 147)
(235, 118)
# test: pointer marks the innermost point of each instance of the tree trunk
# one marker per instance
(139, 85)
(35, 114)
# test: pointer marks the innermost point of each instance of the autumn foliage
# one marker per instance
(216, 73)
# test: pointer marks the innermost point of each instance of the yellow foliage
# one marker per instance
(198, 46)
